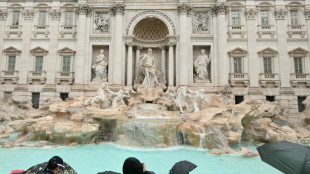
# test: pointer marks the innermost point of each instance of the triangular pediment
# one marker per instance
(237, 50)
(66, 50)
(11, 50)
(38, 50)
(268, 51)
(298, 51)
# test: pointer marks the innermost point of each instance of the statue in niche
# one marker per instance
(100, 66)
(201, 67)
(201, 22)
(149, 76)
(101, 22)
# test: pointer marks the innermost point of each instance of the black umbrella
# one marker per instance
(182, 167)
(289, 158)
(67, 169)
(108, 172)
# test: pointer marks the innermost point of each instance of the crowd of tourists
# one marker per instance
(131, 165)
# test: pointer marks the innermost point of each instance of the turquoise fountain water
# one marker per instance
(90, 159)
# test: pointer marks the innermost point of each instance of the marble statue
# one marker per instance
(100, 66)
(118, 97)
(179, 99)
(201, 22)
(201, 67)
(106, 98)
(198, 99)
(147, 63)
(101, 22)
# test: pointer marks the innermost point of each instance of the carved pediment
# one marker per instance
(11, 50)
(38, 50)
(268, 51)
(66, 50)
(237, 51)
(299, 51)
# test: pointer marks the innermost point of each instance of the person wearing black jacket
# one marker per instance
(53, 166)
(134, 166)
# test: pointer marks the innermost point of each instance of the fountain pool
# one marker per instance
(90, 159)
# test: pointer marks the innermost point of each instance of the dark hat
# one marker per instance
(132, 166)
(54, 162)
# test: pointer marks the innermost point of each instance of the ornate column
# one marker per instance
(3, 16)
(137, 65)
(280, 14)
(83, 10)
(163, 59)
(183, 60)
(129, 64)
(117, 63)
(250, 15)
(171, 65)
(26, 35)
(52, 61)
(220, 10)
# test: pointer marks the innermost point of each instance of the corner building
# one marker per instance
(260, 48)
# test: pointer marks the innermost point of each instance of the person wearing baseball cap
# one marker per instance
(53, 165)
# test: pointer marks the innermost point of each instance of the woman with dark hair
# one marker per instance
(134, 166)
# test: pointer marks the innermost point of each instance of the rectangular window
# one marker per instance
(294, 17)
(42, 18)
(66, 63)
(69, 18)
(264, 14)
(235, 18)
(237, 65)
(15, 18)
(267, 65)
(298, 65)
(39, 64)
(35, 100)
(11, 63)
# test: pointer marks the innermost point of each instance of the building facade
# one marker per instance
(69, 47)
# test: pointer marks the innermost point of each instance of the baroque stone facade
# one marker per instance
(260, 49)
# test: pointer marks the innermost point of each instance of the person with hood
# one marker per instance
(134, 166)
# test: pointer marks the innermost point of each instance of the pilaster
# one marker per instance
(118, 11)
(252, 49)
(26, 46)
(183, 61)
(280, 15)
(3, 17)
(83, 10)
(220, 10)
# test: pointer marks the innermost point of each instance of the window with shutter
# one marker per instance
(66, 64)
(267, 65)
(42, 18)
(39, 64)
(69, 18)
(11, 63)
(298, 65)
(264, 17)
(237, 65)
(235, 17)
(15, 18)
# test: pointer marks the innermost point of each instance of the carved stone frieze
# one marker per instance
(118, 9)
(84, 9)
(184, 9)
(220, 8)
(28, 14)
(280, 13)
(250, 13)
(3, 14)
(201, 22)
(55, 13)
(101, 22)
(307, 13)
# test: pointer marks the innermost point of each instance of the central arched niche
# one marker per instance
(151, 29)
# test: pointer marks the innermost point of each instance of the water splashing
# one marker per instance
(201, 131)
